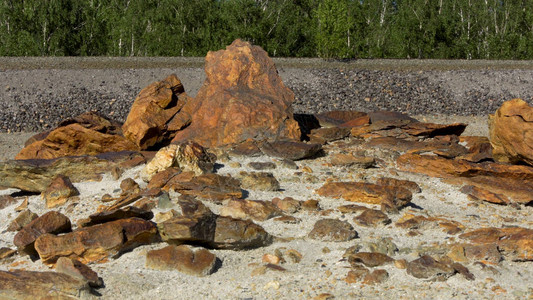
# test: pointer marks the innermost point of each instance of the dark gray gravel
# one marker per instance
(36, 99)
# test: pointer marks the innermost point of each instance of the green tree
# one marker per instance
(333, 35)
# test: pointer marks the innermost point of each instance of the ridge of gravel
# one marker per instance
(36, 99)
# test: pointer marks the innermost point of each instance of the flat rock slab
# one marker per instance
(332, 230)
(51, 222)
(366, 193)
(35, 175)
(196, 262)
(41, 285)
(290, 149)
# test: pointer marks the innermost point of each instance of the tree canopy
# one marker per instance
(468, 29)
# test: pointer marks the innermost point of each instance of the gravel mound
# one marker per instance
(37, 99)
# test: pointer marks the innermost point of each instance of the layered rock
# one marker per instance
(157, 113)
(87, 134)
(511, 132)
(243, 97)
(198, 262)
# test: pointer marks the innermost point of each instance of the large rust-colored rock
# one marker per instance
(157, 113)
(366, 193)
(511, 132)
(30, 285)
(242, 97)
(51, 222)
(213, 187)
(199, 262)
(95, 243)
(516, 243)
(36, 175)
(79, 271)
(74, 140)
(513, 181)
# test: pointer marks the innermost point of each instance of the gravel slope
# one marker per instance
(36, 93)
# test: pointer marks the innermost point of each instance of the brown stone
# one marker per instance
(51, 222)
(36, 175)
(356, 274)
(511, 132)
(153, 110)
(427, 267)
(116, 214)
(6, 252)
(59, 191)
(287, 204)
(310, 205)
(338, 117)
(95, 243)
(183, 258)
(407, 184)
(75, 140)
(129, 186)
(78, 270)
(290, 149)
(243, 97)
(351, 208)
(247, 148)
(376, 277)
(432, 129)
(6, 200)
(197, 224)
(259, 181)
(409, 221)
(21, 284)
(472, 252)
(372, 218)
(366, 193)
(514, 181)
(239, 234)
(515, 243)
(23, 219)
(186, 156)
(477, 194)
(349, 160)
(260, 166)
(213, 187)
(479, 150)
(326, 135)
(160, 179)
(370, 259)
(332, 230)
(250, 209)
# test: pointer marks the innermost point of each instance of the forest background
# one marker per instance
(344, 29)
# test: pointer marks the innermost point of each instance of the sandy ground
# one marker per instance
(321, 270)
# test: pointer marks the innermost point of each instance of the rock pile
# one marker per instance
(244, 110)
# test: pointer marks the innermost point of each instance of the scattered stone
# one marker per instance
(116, 214)
(376, 277)
(349, 160)
(406, 184)
(294, 256)
(400, 264)
(260, 166)
(6, 252)
(326, 135)
(241, 80)
(271, 259)
(6, 200)
(332, 230)
(247, 148)
(95, 243)
(213, 187)
(198, 262)
(197, 224)
(288, 219)
(23, 219)
(23, 206)
(20, 284)
(59, 191)
(357, 274)
(36, 175)
(255, 209)
(75, 140)
(78, 270)
(383, 245)
(156, 113)
(427, 267)
(310, 205)
(324, 296)
(511, 132)
(410, 221)
(366, 193)
(129, 187)
(186, 156)
(515, 243)
(432, 130)
(290, 149)
(288, 164)
(477, 194)
(463, 271)
(372, 218)
(471, 252)
(370, 259)
(338, 117)
(51, 222)
(351, 208)
(260, 181)
(287, 204)
(239, 234)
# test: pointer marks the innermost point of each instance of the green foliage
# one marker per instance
(489, 29)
